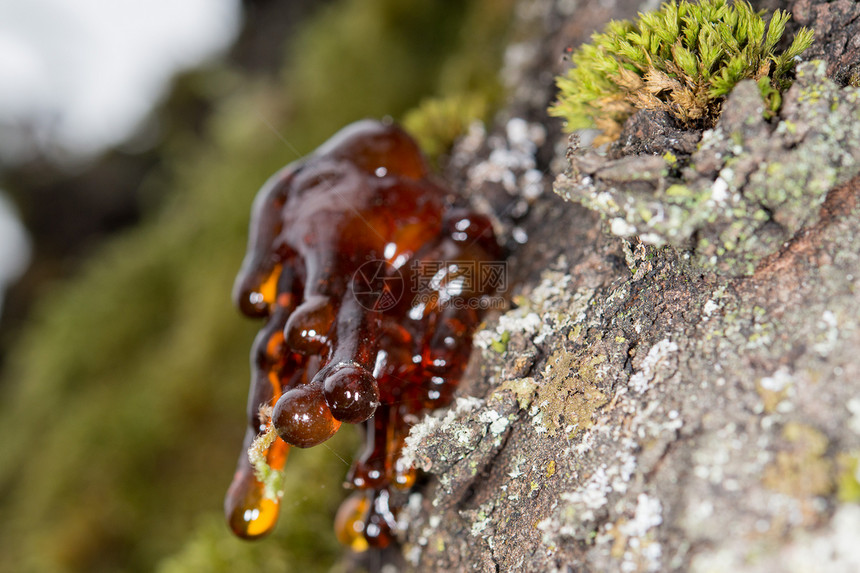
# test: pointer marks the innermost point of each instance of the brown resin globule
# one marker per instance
(371, 279)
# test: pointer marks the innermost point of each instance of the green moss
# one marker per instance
(771, 96)
(437, 122)
(683, 58)
(758, 174)
(500, 345)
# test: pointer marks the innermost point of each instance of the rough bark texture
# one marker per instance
(677, 383)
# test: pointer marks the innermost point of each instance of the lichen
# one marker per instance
(512, 163)
(500, 345)
(658, 357)
(803, 470)
(570, 395)
(750, 187)
(848, 477)
(523, 390)
(774, 389)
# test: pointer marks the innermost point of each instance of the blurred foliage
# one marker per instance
(123, 401)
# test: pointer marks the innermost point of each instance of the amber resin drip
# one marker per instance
(371, 280)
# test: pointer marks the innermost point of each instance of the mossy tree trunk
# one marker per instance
(656, 401)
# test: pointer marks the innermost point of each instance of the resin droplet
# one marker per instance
(308, 327)
(249, 514)
(379, 523)
(371, 278)
(352, 393)
(350, 519)
(302, 418)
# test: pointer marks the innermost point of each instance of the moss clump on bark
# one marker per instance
(683, 58)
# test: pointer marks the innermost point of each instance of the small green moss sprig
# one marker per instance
(437, 122)
(683, 58)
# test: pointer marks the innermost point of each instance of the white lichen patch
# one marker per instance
(657, 359)
(625, 464)
(853, 406)
(548, 307)
(709, 308)
(649, 514)
(511, 161)
(524, 322)
(828, 333)
(482, 519)
(519, 320)
(712, 459)
(496, 422)
(439, 421)
(621, 228)
(591, 497)
(581, 509)
(719, 190)
(516, 469)
(643, 552)
(778, 381)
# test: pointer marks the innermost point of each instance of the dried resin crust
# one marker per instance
(371, 278)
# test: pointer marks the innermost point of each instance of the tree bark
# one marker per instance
(674, 394)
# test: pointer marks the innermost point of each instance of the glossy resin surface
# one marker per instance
(371, 278)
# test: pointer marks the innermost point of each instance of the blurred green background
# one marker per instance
(123, 385)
